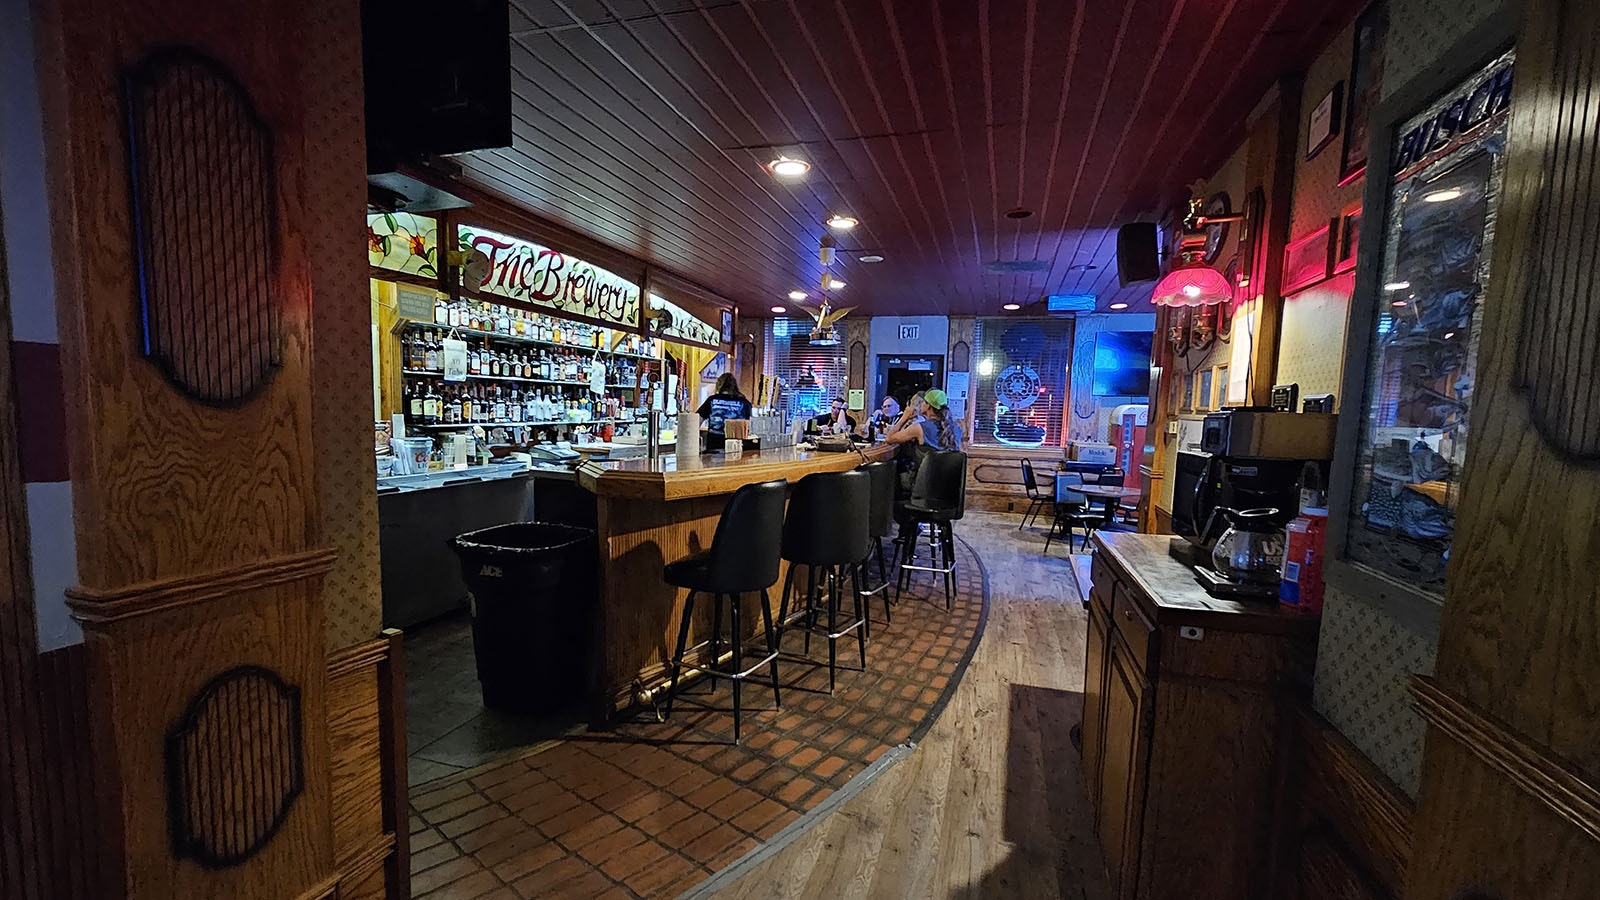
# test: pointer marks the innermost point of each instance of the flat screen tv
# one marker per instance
(1122, 364)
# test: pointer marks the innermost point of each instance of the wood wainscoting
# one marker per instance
(1343, 829)
(367, 766)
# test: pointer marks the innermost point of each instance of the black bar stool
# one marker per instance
(880, 524)
(825, 530)
(743, 558)
(938, 498)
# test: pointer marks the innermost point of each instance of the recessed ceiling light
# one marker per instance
(841, 222)
(788, 167)
(797, 296)
(832, 283)
(1449, 334)
(779, 309)
(1398, 303)
(1397, 285)
(1012, 307)
(1119, 306)
(1441, 196)
(1082, 267)
(872, 258)
(1019, 213)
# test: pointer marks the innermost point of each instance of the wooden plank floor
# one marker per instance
(991, 804)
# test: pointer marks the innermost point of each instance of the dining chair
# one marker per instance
(1036, 497)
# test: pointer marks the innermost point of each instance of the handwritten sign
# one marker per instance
(414, 304)
(535, 274)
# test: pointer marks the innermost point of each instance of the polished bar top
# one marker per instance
(713, 473)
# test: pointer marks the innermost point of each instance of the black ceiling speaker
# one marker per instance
(1137, 256)
(438, 79)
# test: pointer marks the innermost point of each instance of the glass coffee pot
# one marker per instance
(1250, 551)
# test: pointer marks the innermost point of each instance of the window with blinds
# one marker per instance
(1021, 381)
(807, 376)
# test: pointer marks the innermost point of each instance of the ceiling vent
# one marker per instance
(1015, 266)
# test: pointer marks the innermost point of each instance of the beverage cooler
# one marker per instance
(1127, 435)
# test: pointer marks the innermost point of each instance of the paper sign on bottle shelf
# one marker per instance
(455, 359)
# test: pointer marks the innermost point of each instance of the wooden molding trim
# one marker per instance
(96, 607)
(352, 659)
(1534, 769)
(326, 889)
(364, 860)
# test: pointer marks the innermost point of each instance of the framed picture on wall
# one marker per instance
(1324, 123)
(1347, 238)
(1224, 393)
(1203, 392)
(1366, 75)
(1307, 260)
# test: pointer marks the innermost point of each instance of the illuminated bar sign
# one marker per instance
(678, 324)
(537, 275)
(403, 242)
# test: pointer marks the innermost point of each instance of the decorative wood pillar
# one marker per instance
(178, 171)
(1510, 799)
(1270, 162)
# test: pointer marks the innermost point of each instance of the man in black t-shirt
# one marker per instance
(836, 418)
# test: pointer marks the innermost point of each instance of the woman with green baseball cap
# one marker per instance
(936, 431)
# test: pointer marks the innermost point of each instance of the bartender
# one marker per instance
(728, 402)
(835, 421)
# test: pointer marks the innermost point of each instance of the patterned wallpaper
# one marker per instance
(1311, 342)
(341, 369)
(1364, 656)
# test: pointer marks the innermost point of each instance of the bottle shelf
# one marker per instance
(433, 373)
(459, 425)
(520, 339)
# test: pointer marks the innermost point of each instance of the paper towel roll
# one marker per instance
(688, 445)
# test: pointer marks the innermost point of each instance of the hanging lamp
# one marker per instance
(1192, 282)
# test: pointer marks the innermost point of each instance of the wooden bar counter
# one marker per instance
(650, 513)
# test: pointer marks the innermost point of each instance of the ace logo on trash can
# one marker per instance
(489, 571)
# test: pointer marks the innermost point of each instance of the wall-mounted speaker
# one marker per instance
(1138, 258)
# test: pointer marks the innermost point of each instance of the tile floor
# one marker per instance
(448, 729)
(651, 809)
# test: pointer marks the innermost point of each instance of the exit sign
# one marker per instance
(910, 332)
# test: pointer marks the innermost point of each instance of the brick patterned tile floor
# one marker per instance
(652, 808)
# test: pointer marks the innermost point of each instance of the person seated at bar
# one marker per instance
(725, 403)
(835, 421)
(930, 427)
(887, 412)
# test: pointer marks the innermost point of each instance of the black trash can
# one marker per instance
(533, 590)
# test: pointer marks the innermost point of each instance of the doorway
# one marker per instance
(902, 376)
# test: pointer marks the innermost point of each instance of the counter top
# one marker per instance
(1173, 597)
(471, 475)
(713, 473)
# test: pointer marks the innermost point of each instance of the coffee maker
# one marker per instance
(1249, 459)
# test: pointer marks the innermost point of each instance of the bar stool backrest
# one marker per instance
(827, 522)
(941, 483)
(745, 549)
(880, 516)
(1112, 477)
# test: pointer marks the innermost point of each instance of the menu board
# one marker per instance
(1444, 193)
(539, 276)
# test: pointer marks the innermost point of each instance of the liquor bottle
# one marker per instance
(494, 361)
(544, 364)
(411, 405)
(430, 359)
(441, 313)
(502, 323)
(430, 404)
(467, 407)
(474, 361)
(454, 318)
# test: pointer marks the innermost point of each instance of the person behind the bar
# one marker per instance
(887, 412)
(727, 402)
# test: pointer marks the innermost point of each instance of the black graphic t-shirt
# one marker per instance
(717, 409)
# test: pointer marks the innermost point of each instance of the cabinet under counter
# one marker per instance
(1185, 696)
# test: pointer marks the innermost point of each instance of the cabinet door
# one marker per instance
(1122, 769)
(1095, 654)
